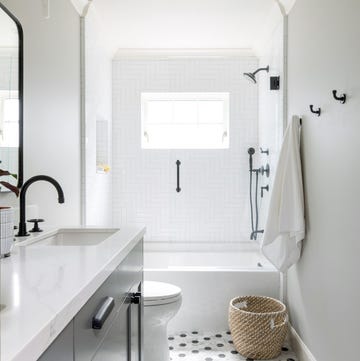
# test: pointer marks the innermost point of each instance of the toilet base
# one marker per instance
(156, 319)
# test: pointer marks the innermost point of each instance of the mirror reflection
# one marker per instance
(9, 96)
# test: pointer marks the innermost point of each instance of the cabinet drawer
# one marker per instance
(117, 286)
(85, 337)
(115, 345)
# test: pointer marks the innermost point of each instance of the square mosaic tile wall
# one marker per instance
(207, 346)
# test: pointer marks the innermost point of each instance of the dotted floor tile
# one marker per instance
(211, 346)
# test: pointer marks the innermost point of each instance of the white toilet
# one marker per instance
(162, 301)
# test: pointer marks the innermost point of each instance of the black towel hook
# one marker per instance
(341, 98)
(318, 111)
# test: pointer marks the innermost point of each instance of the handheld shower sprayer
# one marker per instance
(251, 152)
(254, 203)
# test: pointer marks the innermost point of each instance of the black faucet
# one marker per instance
(22, 225)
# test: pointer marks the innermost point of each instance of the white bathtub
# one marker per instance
(208, 281)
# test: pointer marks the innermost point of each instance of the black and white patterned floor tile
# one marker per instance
(210, 346)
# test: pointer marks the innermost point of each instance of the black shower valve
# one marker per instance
(264, 188)
(265, 170)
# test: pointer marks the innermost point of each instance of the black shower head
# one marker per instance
(251, 76)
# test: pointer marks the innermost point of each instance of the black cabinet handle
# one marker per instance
(135, 298)
(102, 313)
(178, 189)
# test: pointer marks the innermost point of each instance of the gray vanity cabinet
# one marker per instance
(86, 339)
(113, 340)
(117, 307)
(136, 325)
(62, 348)
(123, 339)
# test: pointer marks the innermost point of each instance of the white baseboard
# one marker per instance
(299, 347)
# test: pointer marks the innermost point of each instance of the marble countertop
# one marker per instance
(43, 287)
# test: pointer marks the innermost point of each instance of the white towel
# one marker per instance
(285, 225)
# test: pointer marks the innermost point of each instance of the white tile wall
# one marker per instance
(271, 112)
(8, 88)
(213, 203)
(8, 68)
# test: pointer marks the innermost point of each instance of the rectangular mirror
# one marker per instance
(11, 98)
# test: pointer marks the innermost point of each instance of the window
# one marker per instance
(185, 120)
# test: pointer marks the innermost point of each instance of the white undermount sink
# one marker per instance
(72, 237)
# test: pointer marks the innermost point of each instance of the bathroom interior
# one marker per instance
(201, 155)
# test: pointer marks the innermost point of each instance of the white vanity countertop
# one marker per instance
(43, 288)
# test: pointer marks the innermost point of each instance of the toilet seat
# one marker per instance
(160, 293)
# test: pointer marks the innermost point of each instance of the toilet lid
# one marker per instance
(157, 291)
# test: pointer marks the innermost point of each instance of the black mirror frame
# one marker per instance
(20, 174)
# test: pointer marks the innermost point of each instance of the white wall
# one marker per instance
(213, 204)
(323, 288)
(52, 106)
(98, 107)
(184, 23)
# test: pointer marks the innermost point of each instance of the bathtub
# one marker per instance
(209, 280)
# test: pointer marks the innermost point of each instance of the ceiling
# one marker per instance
(184, 23)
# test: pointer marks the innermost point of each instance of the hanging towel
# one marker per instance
(285, 225)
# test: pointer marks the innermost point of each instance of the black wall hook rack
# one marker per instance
(318, 111)
(341, 99)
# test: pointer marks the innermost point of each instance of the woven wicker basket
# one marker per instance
(258, 326)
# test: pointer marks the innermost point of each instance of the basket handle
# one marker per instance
(273, 326)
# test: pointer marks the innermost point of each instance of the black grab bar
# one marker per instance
(178, 189)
